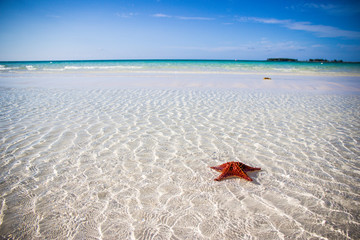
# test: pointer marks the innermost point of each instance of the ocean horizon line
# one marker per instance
(137, 59)
(165, 59)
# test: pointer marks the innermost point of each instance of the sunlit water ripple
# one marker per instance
(134, 164)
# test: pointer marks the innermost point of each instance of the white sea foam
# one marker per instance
(134, 164)
(178, 66)
(100, 67)
(5, 68)
(30, 67)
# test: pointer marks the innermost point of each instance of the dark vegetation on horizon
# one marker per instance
(184, 60)
(295, 60)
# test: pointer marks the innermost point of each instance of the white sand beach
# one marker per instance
(179, 79)
(132, 161)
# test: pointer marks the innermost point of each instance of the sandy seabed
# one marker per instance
(133, 163)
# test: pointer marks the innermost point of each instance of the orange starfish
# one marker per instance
(234, 169)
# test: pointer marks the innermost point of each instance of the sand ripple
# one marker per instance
(134, 164)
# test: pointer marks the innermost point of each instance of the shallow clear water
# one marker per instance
(134, 164)
(209, 66)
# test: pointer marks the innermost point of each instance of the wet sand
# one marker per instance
(127, 156)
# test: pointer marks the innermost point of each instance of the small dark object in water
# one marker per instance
(267, 78)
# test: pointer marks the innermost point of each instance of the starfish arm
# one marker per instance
(221, 167)
(217, 168)
(224, 174)
(247, 168)
(238, 172)
(242, 174)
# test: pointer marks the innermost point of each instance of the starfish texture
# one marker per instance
(234, 169)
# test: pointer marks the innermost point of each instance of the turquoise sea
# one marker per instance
(182, 73)
(235, 66)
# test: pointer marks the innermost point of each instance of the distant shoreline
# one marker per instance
(185, 60)
(311, 60)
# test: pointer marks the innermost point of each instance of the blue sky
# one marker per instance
(179, 29)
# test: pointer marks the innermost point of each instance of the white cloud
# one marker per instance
(263, 20)
(323, 31)
(263, 45)
(161, 15)
(333, 9)
(318, 30)
(339, 9)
